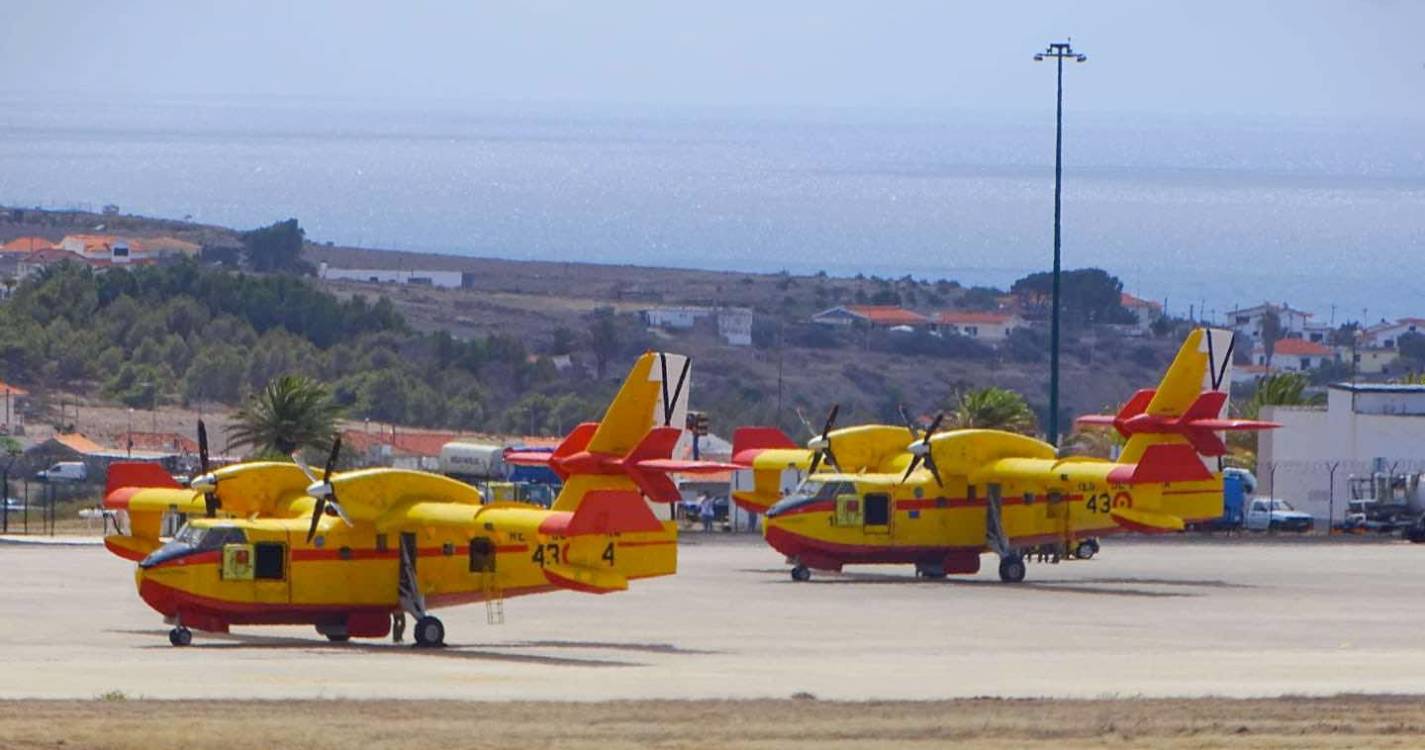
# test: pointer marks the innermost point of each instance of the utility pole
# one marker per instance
(1057, 51)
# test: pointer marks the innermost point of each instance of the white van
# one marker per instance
(64, 471)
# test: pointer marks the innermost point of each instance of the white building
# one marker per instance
(442, 279)
(1294, 355)
(1145, 312)
(990, 327)
(1248, 320)
(734, 324)
(1386, 335)
(1360, 424)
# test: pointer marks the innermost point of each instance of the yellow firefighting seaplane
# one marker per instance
(272, 543)
(939, 500)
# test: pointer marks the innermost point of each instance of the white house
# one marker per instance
(1145, 312)
(880, 316)
(1294, 355)
(1248, 320)
(1386, 335)
(990, 327)
(1362, 426)
(442, 279)
(734, 324)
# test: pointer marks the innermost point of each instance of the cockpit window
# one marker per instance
(200, 538)
(811, 492)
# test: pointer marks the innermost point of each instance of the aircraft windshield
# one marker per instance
(811, 492)
(192, 539)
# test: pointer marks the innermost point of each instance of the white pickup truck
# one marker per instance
(1271, 514)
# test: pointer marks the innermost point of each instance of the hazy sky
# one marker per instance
(1357, 58)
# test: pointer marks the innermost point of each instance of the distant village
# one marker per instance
(1279, 338)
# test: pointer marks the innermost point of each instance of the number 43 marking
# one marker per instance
(549, 554)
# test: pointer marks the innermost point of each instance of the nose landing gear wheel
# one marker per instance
(429, 632)
(1085, 550)
(801, 573)
(1011, 569)
(180, 636)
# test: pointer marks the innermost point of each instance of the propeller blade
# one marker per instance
(914, 462)
(805, 423)
(317, 511)
(202, 447)
(909, 423)
(331, 459)
(934, 426)
(815, 462)
(302, 463)
(831, 457)
(830, 421)
(934, 470)
(340, 512)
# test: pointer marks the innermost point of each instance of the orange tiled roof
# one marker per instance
(78, 442)
(1300, 348)
(971, 317)
(26, 245)
(1128, 300)
(888, 315)
(159, 442)
(15, 390)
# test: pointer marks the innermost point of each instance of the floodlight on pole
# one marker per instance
(1059, 52)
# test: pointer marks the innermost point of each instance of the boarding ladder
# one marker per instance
(494, 598)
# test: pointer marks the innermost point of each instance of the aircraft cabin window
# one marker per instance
(482, 555)
(878, 509)
(269, 560)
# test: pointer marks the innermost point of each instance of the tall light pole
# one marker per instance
(1058, 52)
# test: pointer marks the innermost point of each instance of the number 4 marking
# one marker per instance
(608, 555)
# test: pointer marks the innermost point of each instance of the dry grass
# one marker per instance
(116, 722)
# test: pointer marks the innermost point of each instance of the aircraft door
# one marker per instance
(876, 513)
(254, 566)
(848, 510)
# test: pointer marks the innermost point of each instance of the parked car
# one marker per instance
(1273, 514)
(64, 471)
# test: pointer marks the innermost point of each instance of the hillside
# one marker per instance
(481, 358)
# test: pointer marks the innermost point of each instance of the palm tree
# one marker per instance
(292, 412)
(1281, 389)
(992, 408)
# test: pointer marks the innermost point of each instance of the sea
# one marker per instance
(1202, 213)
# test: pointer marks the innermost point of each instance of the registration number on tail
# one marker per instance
(1105, 503)
(553, 554)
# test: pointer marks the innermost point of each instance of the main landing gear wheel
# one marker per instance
(180, 636)
(338, 637)
(801, 573)
(923, 570)
(429, 632)
(1085, 550)
(1011, 569)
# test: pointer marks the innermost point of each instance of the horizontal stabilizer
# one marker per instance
(584, 579)
(139, 474)
(1163, 462)
(603, 512)
(1146, 522)
(528, 458)
(1198, 424)
(747, 442)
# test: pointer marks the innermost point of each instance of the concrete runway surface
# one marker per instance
(1152, 619)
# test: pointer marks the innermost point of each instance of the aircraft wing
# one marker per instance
(369, 494)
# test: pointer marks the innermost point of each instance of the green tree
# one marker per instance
(1087, 296)
(603, 338)
(275, 248)
(292, 412)
(1281, 389)
(992, 408)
